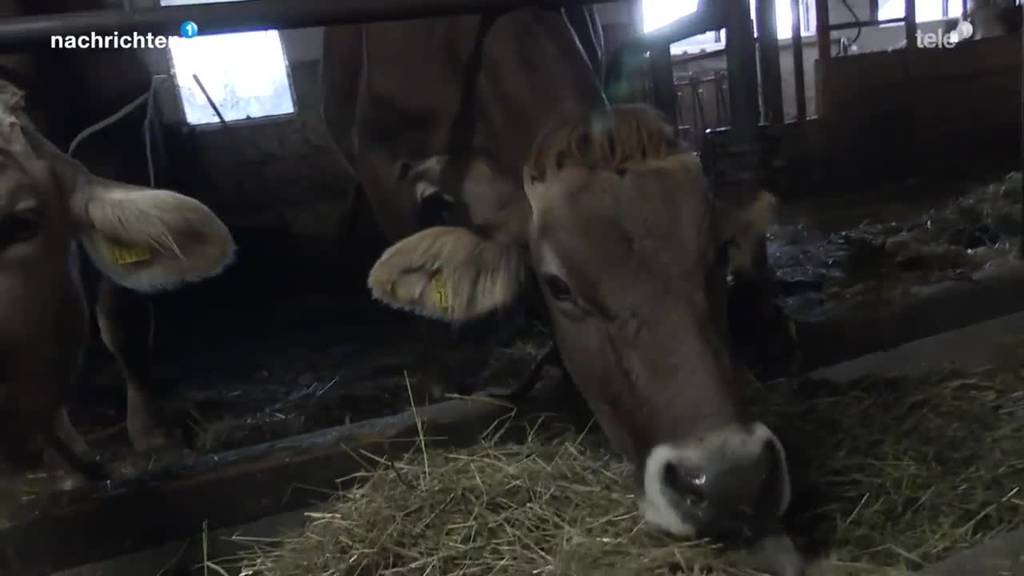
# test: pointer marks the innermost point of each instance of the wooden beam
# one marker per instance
(222, 490)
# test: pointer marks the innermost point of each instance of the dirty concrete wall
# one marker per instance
(281, 185)
(274, 172)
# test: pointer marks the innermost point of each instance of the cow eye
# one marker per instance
(558, 288)
(19, 227)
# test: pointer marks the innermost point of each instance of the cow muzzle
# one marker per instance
(731, 484)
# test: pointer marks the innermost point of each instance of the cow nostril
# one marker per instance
(689, 487)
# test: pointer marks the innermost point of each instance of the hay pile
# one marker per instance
(890, 475)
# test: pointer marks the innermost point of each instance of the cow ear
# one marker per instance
(449, 273)
(149, 240)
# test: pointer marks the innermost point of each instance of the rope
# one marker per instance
(146, 98)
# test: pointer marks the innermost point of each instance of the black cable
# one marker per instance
(859, 26)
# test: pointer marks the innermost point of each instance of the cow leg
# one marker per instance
(65, 441)
(453, 358)
(759, 327)
(126, 323)
(449, 360)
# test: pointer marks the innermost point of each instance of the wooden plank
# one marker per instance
(223, 490)
(868, 328)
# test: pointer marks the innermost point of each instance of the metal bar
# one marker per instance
(798, 63)
(862, 23)
(873, 9)
(768, 58)
(741, 61)
(824, 31)
(911, 24)
(963, 13)
(241, 16)
(723, 117)
(663, 83)
(209, 100)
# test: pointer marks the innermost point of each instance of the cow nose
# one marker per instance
(731, 484)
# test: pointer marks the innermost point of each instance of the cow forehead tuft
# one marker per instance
(611, 139)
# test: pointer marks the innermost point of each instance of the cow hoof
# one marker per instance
(148, 438)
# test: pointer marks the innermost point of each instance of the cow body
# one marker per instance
(139, 238)
(500, 121)
(123, 318)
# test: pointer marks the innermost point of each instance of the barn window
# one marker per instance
(924, 10)
(658, 13)
(245, 74)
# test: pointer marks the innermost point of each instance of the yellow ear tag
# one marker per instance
(441, 293)
(125, 255)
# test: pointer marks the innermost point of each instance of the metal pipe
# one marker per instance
(768, 58)
(209, 100)
(241, 16)
(663, 83)
(862, 23)
(873, 9)
(911, 24)
(824, 31)
(741, 61)
(798, 62)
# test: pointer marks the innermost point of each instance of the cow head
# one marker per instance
(622, 234)
(142, 238)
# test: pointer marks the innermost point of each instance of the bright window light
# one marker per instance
(657, 13)
(924, 10)
(245, 74)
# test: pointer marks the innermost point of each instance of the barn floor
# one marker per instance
(831, 255)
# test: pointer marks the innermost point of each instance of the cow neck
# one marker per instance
(462, 131)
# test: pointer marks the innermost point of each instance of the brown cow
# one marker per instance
(612, 219)
(143, 239)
